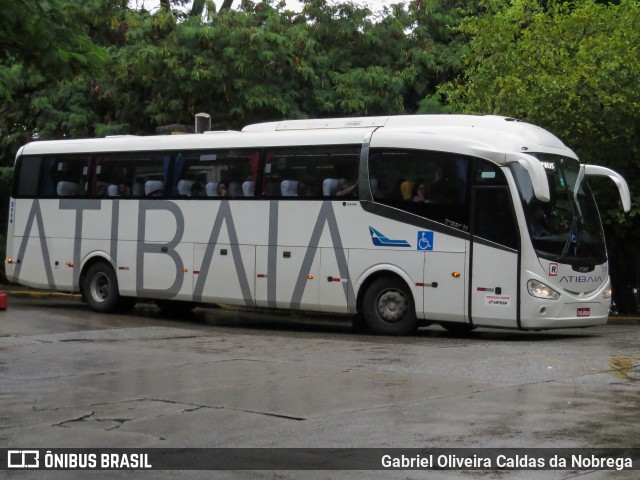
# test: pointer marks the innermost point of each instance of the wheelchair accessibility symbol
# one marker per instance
(425, 240)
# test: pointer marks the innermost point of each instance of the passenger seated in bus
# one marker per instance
(302, 190)
(351, 191)
(196, 190)
(234, 189)
(405, 189)
(271, 188)
(101, 189)
(222, 190)
(123, 190)
(539, 223)
(420, 193)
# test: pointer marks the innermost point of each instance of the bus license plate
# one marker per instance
(584, 312)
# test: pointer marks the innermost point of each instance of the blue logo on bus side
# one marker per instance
(425, 240)
(380, 240)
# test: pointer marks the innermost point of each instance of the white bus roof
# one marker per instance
(485, 136)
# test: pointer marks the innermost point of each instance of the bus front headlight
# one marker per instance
(607, 293)
(541, 290)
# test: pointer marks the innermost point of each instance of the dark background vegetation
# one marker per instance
(97, 67)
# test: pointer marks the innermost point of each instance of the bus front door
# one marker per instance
(494, 259)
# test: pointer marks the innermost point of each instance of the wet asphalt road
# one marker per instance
(70, 377)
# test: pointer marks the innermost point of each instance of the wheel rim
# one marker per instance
(392, 306)
(100, 287)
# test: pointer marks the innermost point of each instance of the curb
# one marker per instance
(12, 291)
(623, 320)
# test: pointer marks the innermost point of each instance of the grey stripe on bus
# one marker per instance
(35, 214)
(272, 255)
(326, 216)
(224, 214)
(165, 248)
(115, 219)
(79, 206)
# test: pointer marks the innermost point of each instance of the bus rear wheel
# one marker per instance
(100, 289)
(388, 307)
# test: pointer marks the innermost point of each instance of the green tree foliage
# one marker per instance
(117, 69)
(263, 62)
(46, 49)
(571, 67)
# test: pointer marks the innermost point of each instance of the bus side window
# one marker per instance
(126, 175)
(493, 217)
(431, 184)
(215, 173)
(26, 184)
(64, 177)
(310, 172)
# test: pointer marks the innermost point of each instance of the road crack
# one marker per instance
(73, 420)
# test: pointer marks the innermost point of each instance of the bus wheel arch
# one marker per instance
(99, 287)
(387, 305)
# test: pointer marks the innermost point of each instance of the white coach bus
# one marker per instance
(398, 221)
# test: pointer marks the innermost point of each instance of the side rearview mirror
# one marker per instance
(536, 172)
(620, 182)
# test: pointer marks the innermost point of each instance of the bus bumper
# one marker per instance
(567, 315)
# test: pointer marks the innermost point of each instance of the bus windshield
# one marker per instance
(566, 229)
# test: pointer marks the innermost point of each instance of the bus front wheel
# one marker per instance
(388, 307)
(100, 289)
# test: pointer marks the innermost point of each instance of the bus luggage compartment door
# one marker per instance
(444, 297)
(287, 277)
(224, 273)
(494, 287)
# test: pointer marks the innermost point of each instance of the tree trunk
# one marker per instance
(226, 5)
(197, 8)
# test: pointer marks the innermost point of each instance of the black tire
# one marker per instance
(388, 307)
(459, 328)
(175, 308)
(100, 288)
